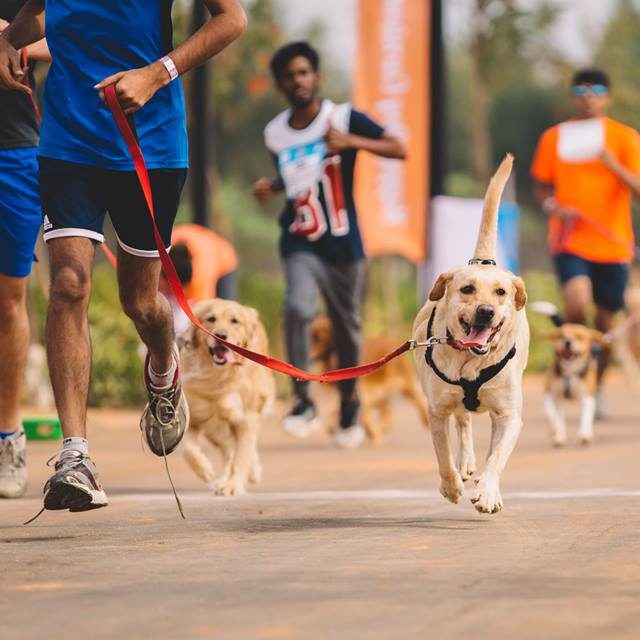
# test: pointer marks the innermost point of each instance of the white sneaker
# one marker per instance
(13, 466)
(302, 420)
(350, 438)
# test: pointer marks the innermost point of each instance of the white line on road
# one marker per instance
(380, 494)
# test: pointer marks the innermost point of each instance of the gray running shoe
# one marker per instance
(13, 466)
(75, 485)
(166, 416)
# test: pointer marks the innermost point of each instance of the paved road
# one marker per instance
(336, 544)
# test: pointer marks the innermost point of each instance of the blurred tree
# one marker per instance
(506, 41)
(619, 55)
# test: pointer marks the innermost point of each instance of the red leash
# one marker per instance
(176, 287)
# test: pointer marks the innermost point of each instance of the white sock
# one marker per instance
(162, 381)
(70, 445)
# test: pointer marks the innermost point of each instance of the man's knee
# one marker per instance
(70, 285)
(13, 305)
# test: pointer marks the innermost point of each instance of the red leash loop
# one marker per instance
(176, 287)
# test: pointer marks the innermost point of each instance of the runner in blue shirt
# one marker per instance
(20, 221)
(85, 171)
(314, 144)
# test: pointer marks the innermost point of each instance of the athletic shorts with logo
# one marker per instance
(76, 198)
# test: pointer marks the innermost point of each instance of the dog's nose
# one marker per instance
(484, 314)
(567, 344)
(222, 333)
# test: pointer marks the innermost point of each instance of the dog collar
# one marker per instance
(470, 388)
(482, 261)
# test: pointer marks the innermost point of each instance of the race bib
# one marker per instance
(301, 168)
(581, 140)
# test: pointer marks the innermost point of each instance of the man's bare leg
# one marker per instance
(14, 342)
(138, 281)
(578, 295)
(166, 416)
(67, 334)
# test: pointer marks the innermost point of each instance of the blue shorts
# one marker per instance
(608, 279)
(76, 198)
(20, 211)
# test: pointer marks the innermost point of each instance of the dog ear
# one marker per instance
(599, 338)
(440, 286)
(554, 334)
(251, 324)
(521, 293)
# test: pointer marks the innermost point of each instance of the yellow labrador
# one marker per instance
(478, 313)
(228, 395)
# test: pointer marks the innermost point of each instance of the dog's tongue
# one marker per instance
(477, 337)
(226, 354)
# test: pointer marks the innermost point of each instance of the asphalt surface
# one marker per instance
(336, 544)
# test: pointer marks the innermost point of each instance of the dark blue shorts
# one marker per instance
(608, 279)
(20, 211)
(76, 198)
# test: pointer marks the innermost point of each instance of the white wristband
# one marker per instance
(170, 67)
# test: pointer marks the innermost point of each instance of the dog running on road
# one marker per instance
(478, 312)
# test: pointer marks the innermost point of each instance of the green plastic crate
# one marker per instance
(42, 428)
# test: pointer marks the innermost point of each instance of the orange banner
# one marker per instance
(391, 84)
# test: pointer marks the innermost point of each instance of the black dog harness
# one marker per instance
(469, 387)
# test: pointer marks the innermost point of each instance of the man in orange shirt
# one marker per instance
(586, 171)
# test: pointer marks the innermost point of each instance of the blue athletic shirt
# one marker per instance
(320, 213)
(90, 40)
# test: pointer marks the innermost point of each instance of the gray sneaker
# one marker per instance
(166, 416)
(13, 466)
(74, 485)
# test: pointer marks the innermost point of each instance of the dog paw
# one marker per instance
(585, 441)
(452, 488)
(230, 487)
(487, 498)
(558, 443)
(466, 468)
(255, 475)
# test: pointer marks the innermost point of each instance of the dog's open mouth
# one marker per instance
(478, 337)
(222, 355)
(566, 353)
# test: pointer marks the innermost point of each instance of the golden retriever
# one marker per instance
(228, 395)
(573, 372)
(375, 389)
(478, 313)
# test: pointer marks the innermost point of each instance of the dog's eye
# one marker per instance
(501, 292)
(234, 321)
(469, 288)
(211, 319)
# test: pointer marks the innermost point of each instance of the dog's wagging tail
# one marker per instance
(486, 246)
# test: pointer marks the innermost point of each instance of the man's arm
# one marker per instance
(630, 179)
(26, 28)
(136, 87)
(36, 51)
(387, 146)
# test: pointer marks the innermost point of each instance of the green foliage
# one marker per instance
(619, 55)
(116, 377)
(540, 286)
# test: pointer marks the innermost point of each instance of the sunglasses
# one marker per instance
(586, 89)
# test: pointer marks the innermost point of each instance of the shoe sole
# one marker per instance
(69, 496)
